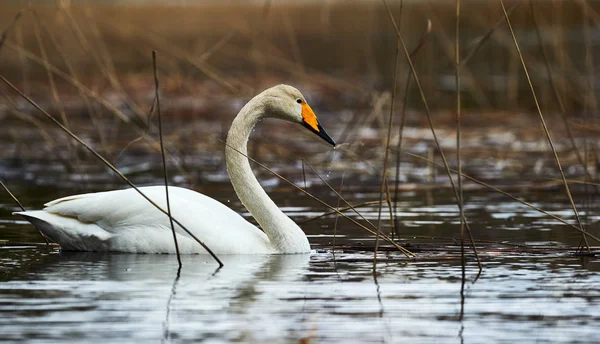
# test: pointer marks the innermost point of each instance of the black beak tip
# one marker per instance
(328, 138)
(321, 133)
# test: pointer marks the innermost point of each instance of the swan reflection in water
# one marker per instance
(138, 296)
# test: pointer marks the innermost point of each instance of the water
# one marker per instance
(94, 297)
(522, 295)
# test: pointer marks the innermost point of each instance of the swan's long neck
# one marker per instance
(283, 233)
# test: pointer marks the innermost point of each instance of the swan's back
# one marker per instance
(124, 221)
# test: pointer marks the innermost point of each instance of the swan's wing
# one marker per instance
(114, 210)
(137, 226)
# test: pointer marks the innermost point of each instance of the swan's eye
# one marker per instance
(299, 101)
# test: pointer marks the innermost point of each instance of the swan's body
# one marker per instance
(123, 221)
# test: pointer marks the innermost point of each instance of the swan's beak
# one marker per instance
(309, 120)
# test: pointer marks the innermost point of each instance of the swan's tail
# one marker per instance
(70, 233)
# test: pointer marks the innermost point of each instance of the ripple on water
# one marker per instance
(99, 297)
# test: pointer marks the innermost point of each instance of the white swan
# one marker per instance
(123, 221)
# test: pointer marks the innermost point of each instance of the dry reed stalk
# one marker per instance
(590, 101)
(430, 121)
(339, 209)
(485, 37)
(379, 101)
(482, 241)
(560, 49)
(41, 128)
(81, 38)
(388, 200)
(22, 59)
(106, 162)
(102, 58)
(109, 65)
(377, 117)
(477, 44)
(303, 174)
(293, 40)
(590, 14)
(406, 252)
(257, 52)
(56, 97)
(403, 120)
(29, 119)
(278, 62)
(166, 332)
(14, 198)
(582, 182)
(181, 54)
(399, 147)
(76, 83)
(585, 233)
(470, 80)
(511, 100)
(394, 208)
(557, 96)
(482, 41)
(217, 46)
(336, 215)
(162, 152)
(102, 101)
(458, 157)
(67, 61)
(340, 196)
(570, 81)
(386, 154)
(50, 76)
(545, 127)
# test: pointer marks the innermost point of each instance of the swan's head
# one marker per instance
(287, 103)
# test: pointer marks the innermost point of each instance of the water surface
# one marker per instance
(95, 297)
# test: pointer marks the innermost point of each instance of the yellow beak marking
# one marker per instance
(309, 117)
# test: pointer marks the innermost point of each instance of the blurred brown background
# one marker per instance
(89, 63)
(346, 46)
